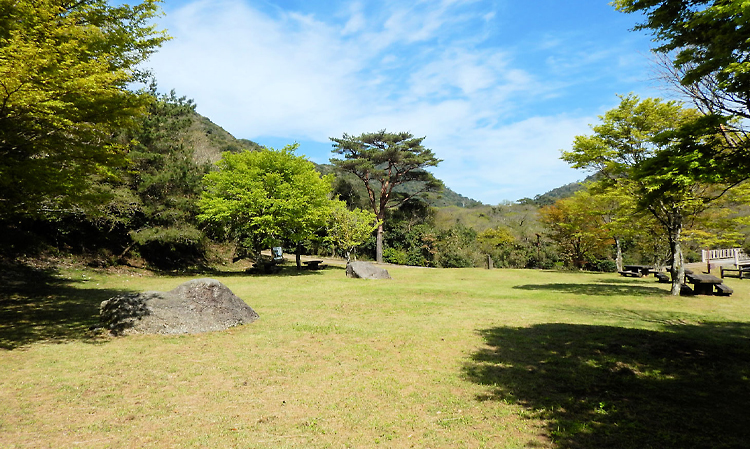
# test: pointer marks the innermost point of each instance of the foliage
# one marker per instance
(166, 181)
(395, 256)
(384, 161)
(456, 248)
(65, 69)
(347, 229)
(577, 228)
(710, 38)
(635, 150)
(259, 198)
(530, 247)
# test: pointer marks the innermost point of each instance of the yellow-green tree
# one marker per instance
(578, 228)
(347, 229)
(262, 197)
(640, 149)
(65, 69)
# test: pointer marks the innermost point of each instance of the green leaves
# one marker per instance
(64, 73)
(348, 229)
(264, 196)
(710, 40)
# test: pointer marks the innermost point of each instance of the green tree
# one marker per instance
(703, 46)
(262, 197)
(348, 229)
(65, 69)
(634, 150)
(710, 40)
(577, 228)
(384, 162)
(167, 182)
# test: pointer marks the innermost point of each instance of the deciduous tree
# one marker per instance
(635, 148)
(577, 228)
(348, 229)
(262, 197)
(65, 72)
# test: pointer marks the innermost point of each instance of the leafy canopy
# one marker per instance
(348, 229)
(711, 38)
(65, 69)
(262, 197)
(638, 148)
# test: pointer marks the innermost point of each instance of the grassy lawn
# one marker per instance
(433, 358)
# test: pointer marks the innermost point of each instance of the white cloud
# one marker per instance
(370, 66)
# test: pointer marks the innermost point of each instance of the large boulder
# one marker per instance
(200, 305)
(366, 270)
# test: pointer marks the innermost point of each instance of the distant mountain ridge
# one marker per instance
(558, 193)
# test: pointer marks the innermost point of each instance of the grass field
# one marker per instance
(431, 359)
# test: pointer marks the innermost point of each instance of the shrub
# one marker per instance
(395, 256)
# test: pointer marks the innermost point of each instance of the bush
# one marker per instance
(607, 266)
(604, 265)
(395, 256)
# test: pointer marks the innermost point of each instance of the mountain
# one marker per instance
(547, 198)
(210, 140)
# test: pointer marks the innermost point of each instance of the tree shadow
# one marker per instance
(607, 287)
(603, 386)
(38, 305)
(285, 271)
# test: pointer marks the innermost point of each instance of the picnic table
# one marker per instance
(314, 264)
(703, 284)
(643, 270)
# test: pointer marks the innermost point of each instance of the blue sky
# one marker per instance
(497, 87)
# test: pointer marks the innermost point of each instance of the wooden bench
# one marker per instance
(723, 290)
(314, 264)
(634, 274)
(662, 277)
(704, 284)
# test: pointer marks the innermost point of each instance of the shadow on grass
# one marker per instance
(37, 305)
(602, 288)
(602, 386)
(286, 271)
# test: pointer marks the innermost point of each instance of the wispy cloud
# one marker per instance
(427, 67)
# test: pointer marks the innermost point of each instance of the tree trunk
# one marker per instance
(618, 258)
(678, 266)
(297, 253)
(379, 244)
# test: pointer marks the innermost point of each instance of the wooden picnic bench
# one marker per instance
(703, 284)
(314, 264)
(644, 270)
